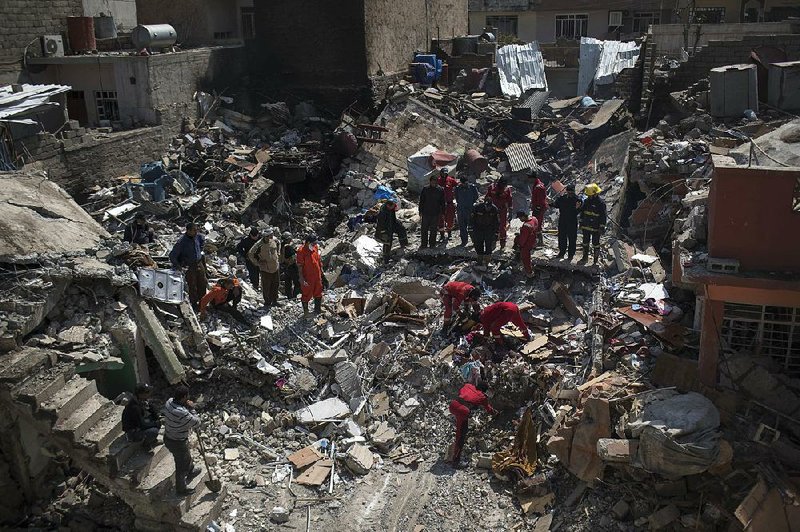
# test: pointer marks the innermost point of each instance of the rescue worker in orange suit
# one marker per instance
(470, 397)
(499, 194)
(538, 202)
(226, 294)
(448, 218)
(454, 294)
(309, 263)
(498, 314)
(593, 220)
(526, 240)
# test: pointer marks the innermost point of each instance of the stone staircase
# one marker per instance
(66, 409)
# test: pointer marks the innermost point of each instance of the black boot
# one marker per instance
(317, 305)
(596, 254)
(305, 309)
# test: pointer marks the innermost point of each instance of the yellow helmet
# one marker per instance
(592, 189)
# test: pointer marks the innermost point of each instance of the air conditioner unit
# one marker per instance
(52, 46)
(615, 18)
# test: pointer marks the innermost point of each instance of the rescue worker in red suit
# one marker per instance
(309, 263)
(448, 218)
(498, 314)
(454, 294)
(526, 240)
(470, 397)
(500, 195)
(538, 201)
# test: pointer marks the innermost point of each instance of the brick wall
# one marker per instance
(412, 125)
(721, 53)
(628, 84)
(77, 158)
(24, 21)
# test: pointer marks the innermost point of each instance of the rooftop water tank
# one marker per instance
(104, 27)
(81, 34)
(153, 36)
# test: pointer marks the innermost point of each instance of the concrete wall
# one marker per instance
(669, 37)
(174, 78)
(526, 22)
(395, 29)
(721, 53)
(24, 21)
(123, 11)
(81, 161)
(751, 219)
(87, 78)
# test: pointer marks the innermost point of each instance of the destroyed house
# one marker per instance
(749, 287)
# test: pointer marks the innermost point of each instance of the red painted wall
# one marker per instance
(751, 219)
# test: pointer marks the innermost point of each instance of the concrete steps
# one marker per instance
(68, 410)
(84, 418)
(105, 431)
(69, 398)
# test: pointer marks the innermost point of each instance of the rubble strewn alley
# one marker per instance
(626, 351)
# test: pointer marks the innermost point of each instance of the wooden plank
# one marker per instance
(589, 384)
(316, 474)
(304, 457)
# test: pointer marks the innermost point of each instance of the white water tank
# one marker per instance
(153, 36)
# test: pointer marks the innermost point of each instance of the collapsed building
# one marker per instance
(659, 389)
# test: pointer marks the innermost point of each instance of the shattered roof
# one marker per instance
(30, 98)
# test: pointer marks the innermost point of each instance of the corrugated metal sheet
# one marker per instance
(534, 102)
(600, 61)
(520, 157)
(30, 98)
(521, 68)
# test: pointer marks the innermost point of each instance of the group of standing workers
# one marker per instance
(267, 259)
(488, 219)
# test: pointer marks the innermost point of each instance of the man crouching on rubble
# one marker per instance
(227, 293)
(179, 420)
(498, 314)
(139, 418)
(455, 294)
(470, 397)
(310, 265)
(188, 253)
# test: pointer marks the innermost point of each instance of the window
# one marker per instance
(764, 330)
(107, 107)
(643, 19)
(248, 23)
(796, 196)
(504, 25)
(572, 26)
(708, 15)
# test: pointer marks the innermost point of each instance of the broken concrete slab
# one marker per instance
(348, 380)
(384, 436)
(663, 517)
(614, 450)
(155, 337)
(415, 292)
(565, 298)
(332, 408)
(305, 457)
(37, 217)
(329, 357)
(359, 459)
